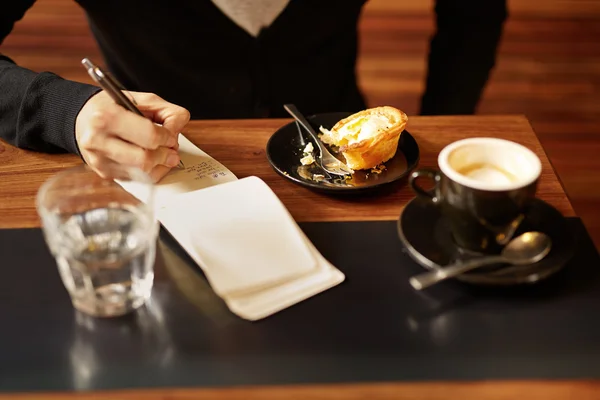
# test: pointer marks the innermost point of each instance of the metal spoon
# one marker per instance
(528, 248)
(325, 159)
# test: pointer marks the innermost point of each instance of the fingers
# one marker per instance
(128, 154)
(172, 117)
(101, 165)
(158, 172)
(106, 167)
(117, 121)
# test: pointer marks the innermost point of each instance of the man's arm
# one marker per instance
(37, 110)
(43, 112)
(462, 54)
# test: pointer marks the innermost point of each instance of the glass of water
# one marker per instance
(102, 237)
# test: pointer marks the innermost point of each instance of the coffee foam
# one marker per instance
(489, 164)
(488, 174)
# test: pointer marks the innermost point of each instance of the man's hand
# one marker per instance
(107, 133)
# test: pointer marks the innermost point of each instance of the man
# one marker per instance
(224, 59)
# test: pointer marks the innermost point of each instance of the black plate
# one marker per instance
(286, 145)
(427, 239)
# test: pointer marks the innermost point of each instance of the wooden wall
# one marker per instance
(548, 69)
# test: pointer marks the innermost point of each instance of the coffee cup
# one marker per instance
(483, 188)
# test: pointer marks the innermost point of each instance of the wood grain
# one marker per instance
(240, 145)
(501, 390)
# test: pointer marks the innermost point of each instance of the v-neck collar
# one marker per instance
(252, 16)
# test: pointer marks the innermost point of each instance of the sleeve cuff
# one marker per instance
(52, 112)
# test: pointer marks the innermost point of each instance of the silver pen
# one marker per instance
(113, 88)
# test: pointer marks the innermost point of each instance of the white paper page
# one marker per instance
(263, 303)
(240, 234)
(201, 171)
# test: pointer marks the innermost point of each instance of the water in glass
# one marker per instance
(105, 258)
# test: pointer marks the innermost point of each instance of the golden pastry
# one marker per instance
(367, 138)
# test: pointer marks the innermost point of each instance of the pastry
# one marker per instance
(367, 138)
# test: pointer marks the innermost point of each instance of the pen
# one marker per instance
(113, 88)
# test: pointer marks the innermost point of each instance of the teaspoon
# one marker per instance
(527, 248)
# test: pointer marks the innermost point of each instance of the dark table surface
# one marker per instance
(373, 327)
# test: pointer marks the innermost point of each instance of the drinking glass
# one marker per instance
(102, 237)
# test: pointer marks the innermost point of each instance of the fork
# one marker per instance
(325, 159)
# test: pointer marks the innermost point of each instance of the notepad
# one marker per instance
(251, 250)
(240, 234)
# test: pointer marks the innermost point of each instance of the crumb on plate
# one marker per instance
(318, 177)
(378, 169)
(307, 160)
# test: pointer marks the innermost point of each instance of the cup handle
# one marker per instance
(433, 193)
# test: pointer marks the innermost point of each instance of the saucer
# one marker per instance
(427, 238)
(285, 149)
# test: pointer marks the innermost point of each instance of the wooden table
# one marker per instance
(240, 145)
